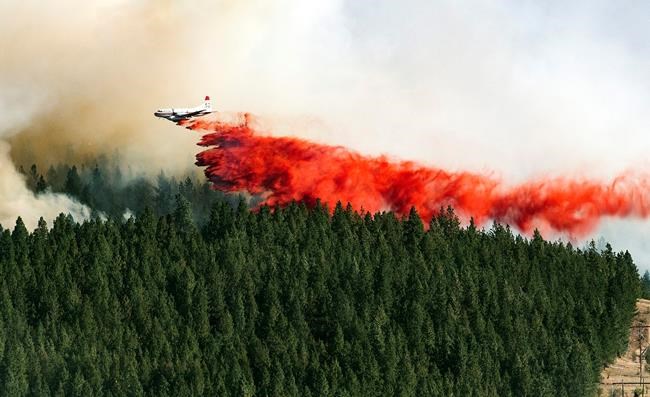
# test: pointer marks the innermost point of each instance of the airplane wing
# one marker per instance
(191, 114)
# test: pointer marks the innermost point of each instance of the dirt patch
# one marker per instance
(626, 368)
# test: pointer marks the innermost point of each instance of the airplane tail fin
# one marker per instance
(208, 104)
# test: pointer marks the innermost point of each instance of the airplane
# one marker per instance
(179, 114)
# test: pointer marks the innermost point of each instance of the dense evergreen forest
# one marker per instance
(297, 302)
(113, 192)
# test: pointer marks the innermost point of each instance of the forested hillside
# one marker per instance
(116, 192)
(295, 302)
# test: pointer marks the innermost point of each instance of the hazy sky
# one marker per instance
(516, 89)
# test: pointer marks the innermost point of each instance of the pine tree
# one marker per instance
(645, 285)
(73, 185)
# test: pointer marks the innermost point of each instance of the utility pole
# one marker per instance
(640, 334)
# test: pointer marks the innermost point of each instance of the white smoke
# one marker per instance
(17, 200)
(517, 88)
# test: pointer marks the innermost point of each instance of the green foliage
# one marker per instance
(645, 285)
(295, 302)
(110, 193)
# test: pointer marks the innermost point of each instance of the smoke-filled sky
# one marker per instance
(515, 89)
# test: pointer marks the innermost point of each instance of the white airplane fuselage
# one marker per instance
(178, 114)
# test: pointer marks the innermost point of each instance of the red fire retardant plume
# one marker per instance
(284, 169)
